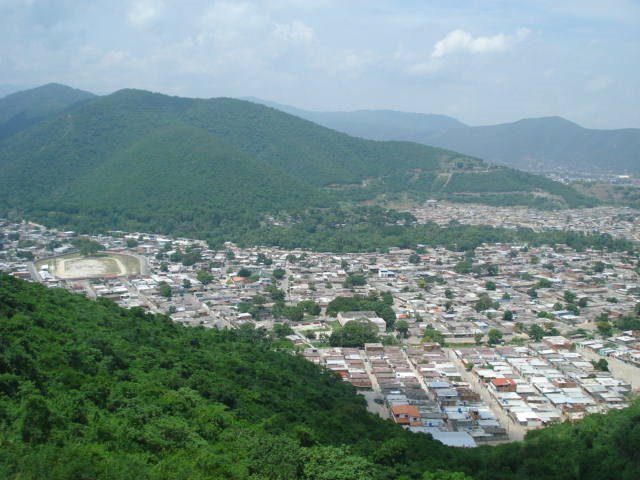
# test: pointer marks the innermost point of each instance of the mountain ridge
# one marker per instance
(534, 144)
(22, 109)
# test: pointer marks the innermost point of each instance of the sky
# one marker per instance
(482, 62)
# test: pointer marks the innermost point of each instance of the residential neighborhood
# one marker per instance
(477, 348)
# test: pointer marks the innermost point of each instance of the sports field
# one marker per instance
(76, 266)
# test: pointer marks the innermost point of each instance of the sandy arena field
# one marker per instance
(76, 266)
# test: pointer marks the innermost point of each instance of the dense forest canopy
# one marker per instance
(90, 390)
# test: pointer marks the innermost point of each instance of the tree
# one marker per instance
(484, 302)
(463, 267)
(583, 302)
(259, 300)
(164, 289)
(281, 330)
(164, 267)
(572, 307)
(414, 258)
(507, 316)
(433, 335)
(354, 333)
(132, 242)
(544, 283)
(445, 475)
(291, 258)
(387, 298)
(354, 280)
(601, 365)
(490, 285)
(532, 293)
(275, 293)
(569, 296)
(604, 328)
(186, 283)
(494, 336)
(492, 270)
(279, 273)
(402, 327)
(536, 332)
(244, 272)
(204, 277)
(310, 307)
(336, 463)
(478, 338)
(36, 420)
(264, 260)
(88, 247)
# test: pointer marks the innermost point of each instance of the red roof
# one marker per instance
(502, 382)
(406, 415)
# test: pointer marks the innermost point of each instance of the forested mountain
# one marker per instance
(534, 144)
(22, 109)
(91, 390)
(136, 160)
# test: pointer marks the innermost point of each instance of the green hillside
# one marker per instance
(136, 160)
(90, 390)
(23, 109)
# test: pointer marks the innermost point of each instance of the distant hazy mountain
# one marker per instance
(539, 144)
(22, 109)
(546, 144)
(374, 124)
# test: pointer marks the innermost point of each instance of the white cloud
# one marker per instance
(143, 12)
(295, 31)
(462, 41)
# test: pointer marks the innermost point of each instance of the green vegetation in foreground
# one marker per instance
(90, 390)
(138, 161)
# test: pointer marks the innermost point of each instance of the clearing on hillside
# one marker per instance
(103, 265)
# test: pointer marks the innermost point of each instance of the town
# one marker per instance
(472, 348)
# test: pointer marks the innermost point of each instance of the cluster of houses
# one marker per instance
(421, 389)
(618, 221)
(543, 383)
